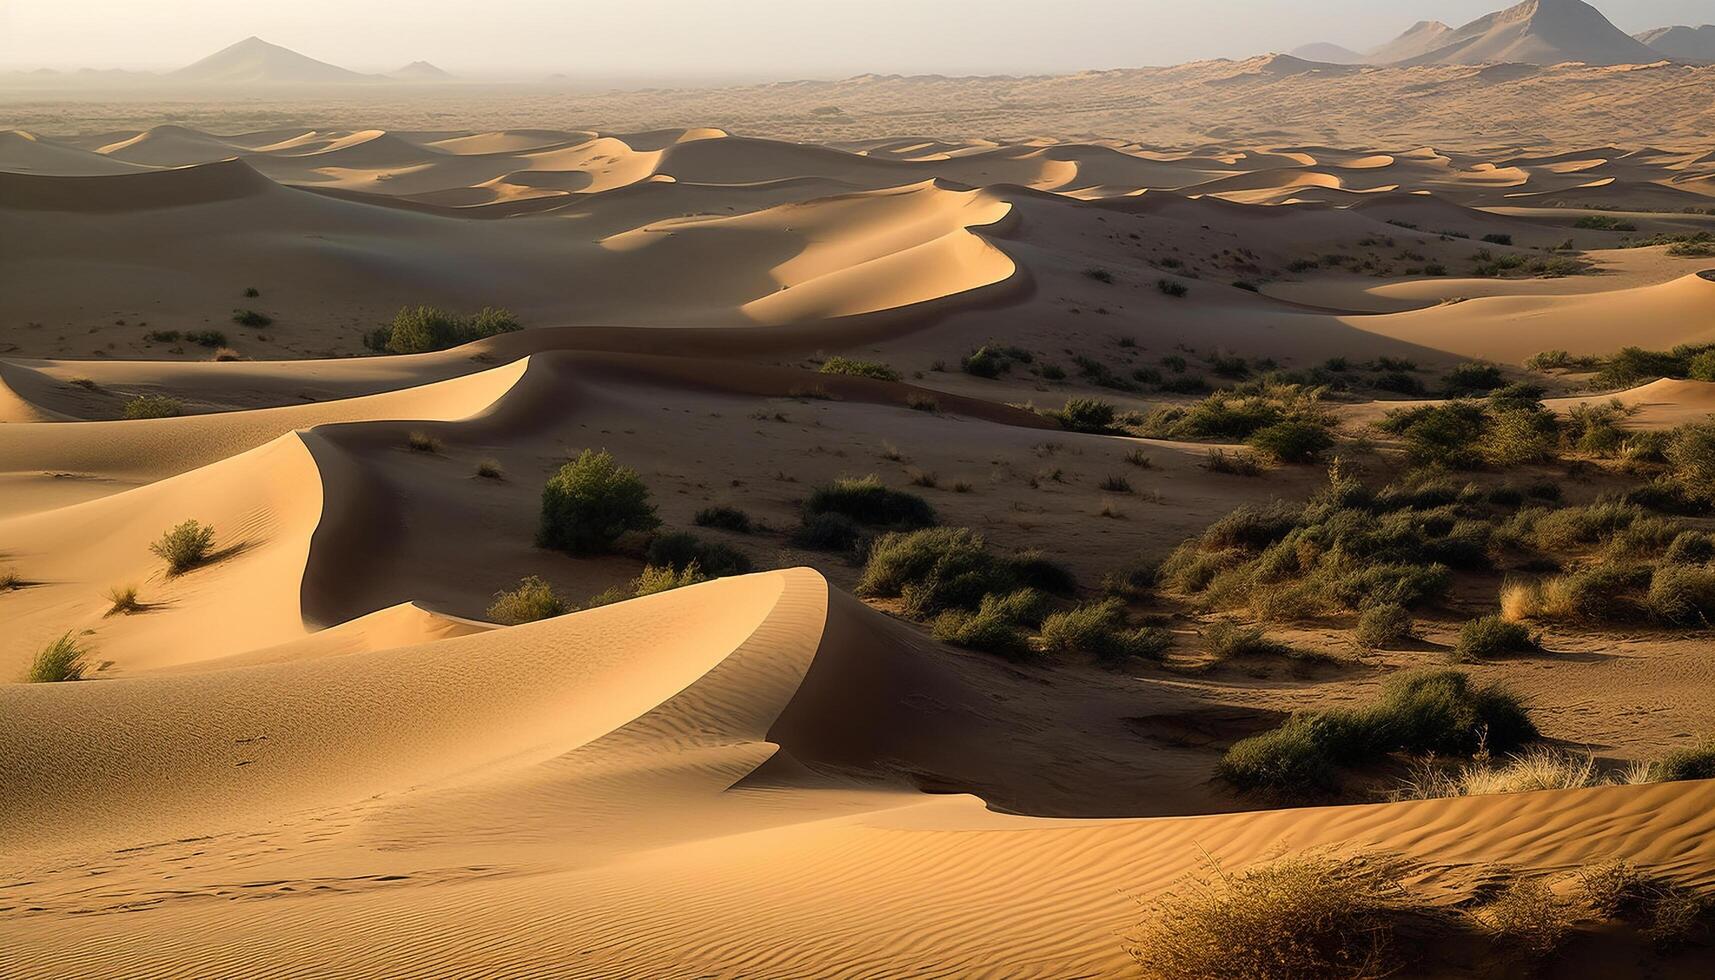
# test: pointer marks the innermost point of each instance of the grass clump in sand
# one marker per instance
(124, 600)
(680, 549)
(489, 469)
(10, 579)
(656, 579)
(1237, 414)
(531, 600)
(997, 625)
(725, 519)
(1696, 762)
(184, 546)
(1528, 920)
(419, 441)
(860, 369)
(1099, 629)
(867, 501)
(420, 329)
(1492, 636)
(154, 407)
(944, 568)
(64, 659)
(251, 318)
(992, 361)
(591, 502)
(1383, 626)
(1419, 712)
(1309, 915)
(1536, 768)
(1091, 415)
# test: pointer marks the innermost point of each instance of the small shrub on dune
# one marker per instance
(680, 549)
(1310, 915)
(944, 568)
(1091, 415)
(725, 519)
(1537, 768)
(207, 338)
(124, 600)
(996, 626)
(992, 362)
(532, 600)
(251, 318)
(867, 501)
(860, 369)
(654, 580)
(1295, 441)
(491, 321)
(1691, 455)
(1173, 288)
(421, 442)
(489, 469)
(1446, 435)
(828, 532)
(1492, 636)
(1528, 920)
(1617, 889)
(591, 502)
(1473, 379)
(1100, 629)
(1690, 548)
(1229, 640)
(184, 546)
(1683, 595)
(420, 329)
(62, 660)
(1697, 762)
(1383, 626)
(1234, 464)
(10, 579)
(154, 407)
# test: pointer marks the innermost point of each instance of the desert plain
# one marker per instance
(1033, 470)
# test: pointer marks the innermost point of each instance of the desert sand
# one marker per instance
(314, 754)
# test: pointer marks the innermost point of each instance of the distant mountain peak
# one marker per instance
(421, 71)
(255, 61)
(1540, 32)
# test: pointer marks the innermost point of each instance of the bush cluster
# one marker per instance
(420, 329)
(590, 502)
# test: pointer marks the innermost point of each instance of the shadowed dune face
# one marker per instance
(763, 774)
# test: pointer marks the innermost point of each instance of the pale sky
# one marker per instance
(645, 40)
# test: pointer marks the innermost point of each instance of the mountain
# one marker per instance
(420, 71)
(1540, 32)
(1682, 43)
(1423, 37)
(254, 61)
(1331, 54)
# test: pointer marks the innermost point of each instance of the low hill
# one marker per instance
(254, 61)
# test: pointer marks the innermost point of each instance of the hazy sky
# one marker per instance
(664, 39)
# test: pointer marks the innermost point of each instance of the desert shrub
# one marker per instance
(489, 469)
(726, 519)
(10, 580)
(678, 550)
(1690, 548)
(65, 659)
(153, 407)
(1295, 441)
(207, 338)
(1086, 415)
(866, 500)
(1602, 222)
(1617, 889)
(654, 580)
(533, 599)
(861, 369)
(1536, 768)
(420, 329)
(1691, 455)
(1472, 378)
(1173, 288)
(1679, 917)
(1492, 636)
(184, 546)
(991, 361)
(938, 569)
(1229, 640)
(1448, 435)
(1682, 595)
(919, 402)
(419, 441)
(1595, 594)
(1297, 917)
(590, 502)
(1418, 712)
(1239, 413)
(1635, 365)
(996, 626)
(1594, 429)
(1385, 625)
(251, 318)
(1100, 629)
(124, 600)
(1392, 583)
(1235, 464)
(1696, 762)
(1100, 275)
(1114, 483)
(1528, 919)
(828, 532)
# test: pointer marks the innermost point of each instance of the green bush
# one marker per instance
(860, 369)
(996, 624)
(1295, 441)
(154, 407)
(680, 549)
(1473, 378)
(992, 362)
(867, 501)
(1229, 640)
(1419, 712)
(590, 502)
(828, 532)
(1087, 415)
(62, 660)
(1697, 762)
(1100, 629)
(654, 579)
(533, 599)
(725, 519)
(1683, 595)
(251, 318)
(1691, 454)
(420, 329)
(1385, 625)
(938, 569)
(1492, 636)
(184, 546)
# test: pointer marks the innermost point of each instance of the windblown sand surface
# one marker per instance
(311, 756)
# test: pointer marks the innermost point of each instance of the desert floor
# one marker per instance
(312, 755)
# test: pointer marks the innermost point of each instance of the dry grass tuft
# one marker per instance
(1528, 919)
(124, 599)
(184, 546)
(64, 659)
(422, 442)
(1301, 916)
